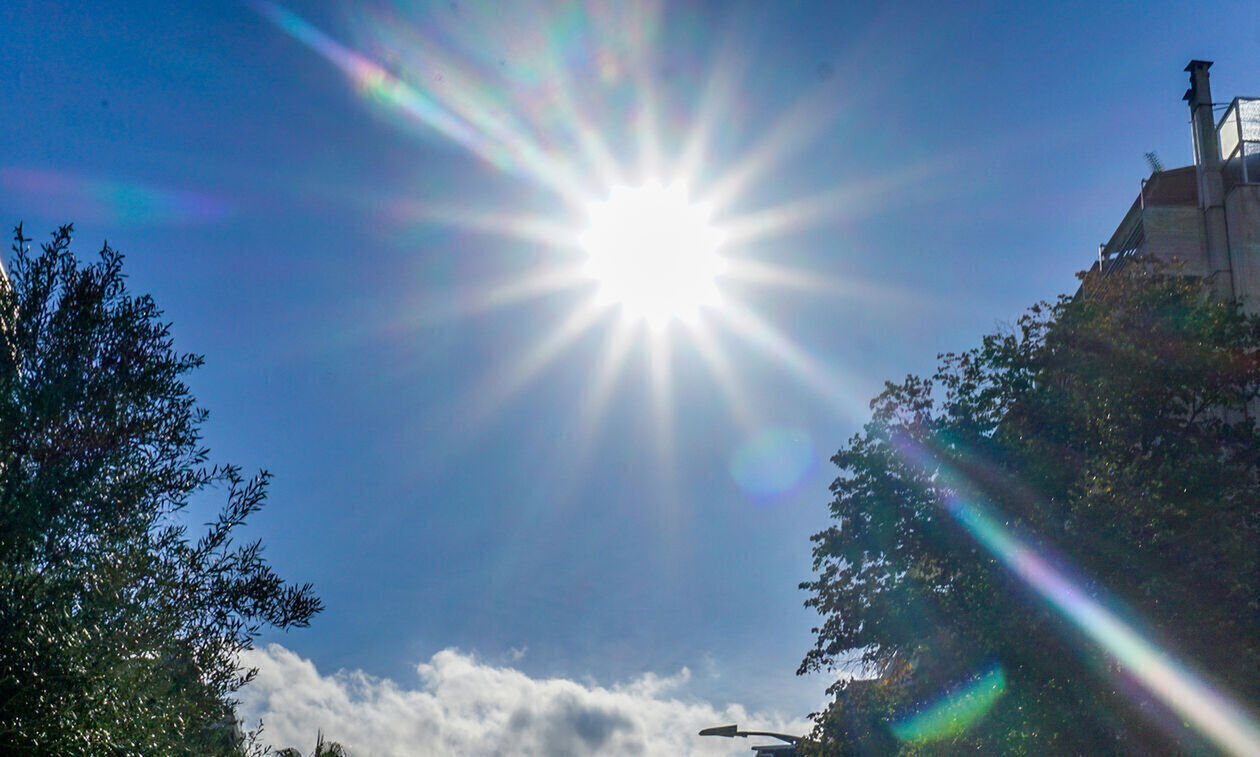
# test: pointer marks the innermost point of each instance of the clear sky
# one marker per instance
(371, 218)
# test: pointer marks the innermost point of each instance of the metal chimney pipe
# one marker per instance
(1207, 150)
(1207, 161)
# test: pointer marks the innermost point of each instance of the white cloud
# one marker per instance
(461, 705)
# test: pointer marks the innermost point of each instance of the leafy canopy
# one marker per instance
(1113, 432)
(118, 633)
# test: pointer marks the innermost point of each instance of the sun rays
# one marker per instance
(649, 268)
(649, 260)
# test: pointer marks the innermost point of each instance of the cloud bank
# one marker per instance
(461, 705)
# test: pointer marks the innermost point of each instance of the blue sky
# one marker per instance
(339, 247)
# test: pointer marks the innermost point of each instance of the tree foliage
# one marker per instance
(119, 634)
(323, 748)
(1114, 433)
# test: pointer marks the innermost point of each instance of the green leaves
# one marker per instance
(1114, 429)
(117, 635)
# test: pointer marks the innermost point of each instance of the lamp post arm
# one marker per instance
(780, 736)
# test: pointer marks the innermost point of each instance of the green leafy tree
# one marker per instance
(118, 633)
(1112, 432)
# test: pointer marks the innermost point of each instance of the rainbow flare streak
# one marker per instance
(459, 114)
(955, 712)
(123, 202)
(369, 75)
(1213, 714)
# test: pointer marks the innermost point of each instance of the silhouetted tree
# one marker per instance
(118, 633)
(322, 749)
(1113, 432)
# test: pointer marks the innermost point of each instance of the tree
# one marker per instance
(1112, 432)
(118, 633)
(322, 749)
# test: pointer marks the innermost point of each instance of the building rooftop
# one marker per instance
(1177, 186)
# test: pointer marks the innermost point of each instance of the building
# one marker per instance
(1205, 216)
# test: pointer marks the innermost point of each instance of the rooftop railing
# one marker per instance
(1111, 255)
(1239, 134)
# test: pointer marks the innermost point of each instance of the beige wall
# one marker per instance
(1242, 216)
(1176, 231)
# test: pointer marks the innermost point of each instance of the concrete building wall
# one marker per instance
(1242, 218)
(1176, 232)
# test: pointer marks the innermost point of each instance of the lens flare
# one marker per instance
(457, 104)
(1212, 713)
(93, 200)
(955, 712)
(577, 100)
(771, 463)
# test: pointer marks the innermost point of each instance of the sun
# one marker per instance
(653, 253)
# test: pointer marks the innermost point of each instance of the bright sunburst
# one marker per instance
(580, 79)
(640, 190)
(653, 253)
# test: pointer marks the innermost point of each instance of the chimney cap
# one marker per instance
(1192, 65)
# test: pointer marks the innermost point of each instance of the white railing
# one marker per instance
(1238, 132)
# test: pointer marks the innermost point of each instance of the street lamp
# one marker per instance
(767, 750)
